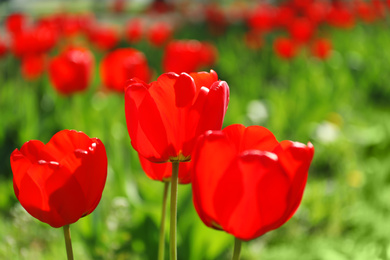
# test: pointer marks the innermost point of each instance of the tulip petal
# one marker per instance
(295, 158)
(142, 112)
(261, 187)
(184, 90)
(204, 79)
(214, 108)
(209, 166)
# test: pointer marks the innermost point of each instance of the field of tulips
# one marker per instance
(151, 86)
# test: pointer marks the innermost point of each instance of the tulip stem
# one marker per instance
(237, 249)
(172, 237)
(68, 242)
(161, 243)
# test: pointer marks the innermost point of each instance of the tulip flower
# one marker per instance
(164, 119)
(285, 48)
(159, 33)
(121, 65)
(37, 39)
(340, 16)
(15, 23)
(321, 48)
(33, 66)
(247, 183)
(71, 71)
(263, 18)
(302, 30)
(103, 37)
(197, 55)
(62, 181)
(134, 30)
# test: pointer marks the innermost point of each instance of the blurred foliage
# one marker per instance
(340, 104)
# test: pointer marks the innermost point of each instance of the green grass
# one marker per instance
(345, 212)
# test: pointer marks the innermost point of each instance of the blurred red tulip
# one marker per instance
(163, 171)
(317, 11)
(285, 48)
(37, 39)
(164, 118)
(321, 48)
(302, 30)
(15, 23)
(33, 65)
(340, 16)
(134, 30)
(247, 183)
(121, 65)
(159, 33)
(263, 18)
(62, 181)
(379, 8)
(71, 71)
(365, 11)
(284, 16)
(188, 56)
(103, 37)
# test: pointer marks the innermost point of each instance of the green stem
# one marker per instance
(172, 238)
(162, 225)
(68, 242)
(237, 249)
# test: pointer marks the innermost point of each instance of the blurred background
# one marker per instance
(308, 70)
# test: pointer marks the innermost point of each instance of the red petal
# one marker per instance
(204, 79)
(212, 156)
(142, 112)
(184, 90)
(214, 109)
(261, 187)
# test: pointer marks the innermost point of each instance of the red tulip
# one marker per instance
(121, 65)
(317, 11)
(188, 56)
(365, 11)
(62, 181)
(340, 16)
(302, 30)
(263, 18)
(159, 33)
(38, 39)
(247, 183)
(165, 117)
(33, 66)
(163, 171)
(15, 23)
(284, 16)
(71, 71)
(103, 37)
(321, 48)
(285, 48)
(134, 30)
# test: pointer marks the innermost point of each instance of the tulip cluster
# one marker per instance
(244, 181)
(305, 20)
